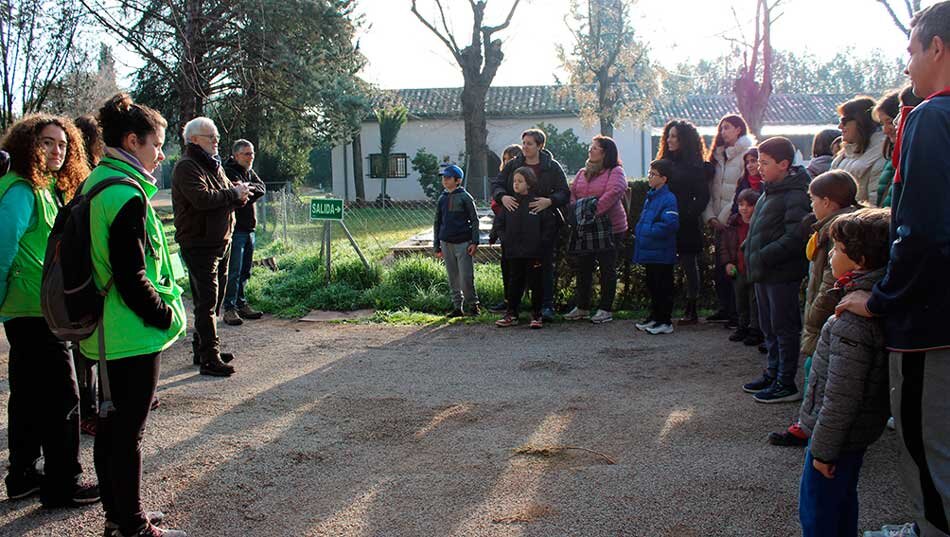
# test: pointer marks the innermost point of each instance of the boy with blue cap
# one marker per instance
(455, 238)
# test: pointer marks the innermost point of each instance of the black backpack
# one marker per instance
(71, 303)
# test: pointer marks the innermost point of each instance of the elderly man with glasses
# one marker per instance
(204, 200)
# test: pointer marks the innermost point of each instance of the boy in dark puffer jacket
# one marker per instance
(775, 258)
(847, 405)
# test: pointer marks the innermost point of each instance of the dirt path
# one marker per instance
(364, 430)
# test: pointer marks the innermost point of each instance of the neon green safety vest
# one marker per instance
(126, 334)
(26, 272)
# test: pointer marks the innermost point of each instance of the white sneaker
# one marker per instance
(643, 325)
(576, 314)
(602, 316)
(658, 328)
(890, 423)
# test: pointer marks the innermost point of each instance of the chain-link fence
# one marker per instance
(382, 231)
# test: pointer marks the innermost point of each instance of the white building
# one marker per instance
(435, 123)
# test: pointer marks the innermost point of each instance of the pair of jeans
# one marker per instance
(660, 286)
(118, 449)
(525, 273)
(747, 307)
(461, 273)
(607, 261)
(239, 269)
(920, 407)
(780, 319)
(829, 507)
(208, 276)
(43, 412)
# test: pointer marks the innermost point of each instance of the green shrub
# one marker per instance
(352, 273)
(337, 297)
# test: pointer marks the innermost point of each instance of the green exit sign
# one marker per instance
(326, 209)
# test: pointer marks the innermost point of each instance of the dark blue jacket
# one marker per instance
(656, 231)
(775, 248)
(914, 295)
(456, 220)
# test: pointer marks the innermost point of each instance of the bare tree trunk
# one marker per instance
(358, 187)
(752, 97)
(476, 136)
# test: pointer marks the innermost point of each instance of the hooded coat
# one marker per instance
(775, 247)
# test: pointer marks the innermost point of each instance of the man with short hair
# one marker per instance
(204, 200)
(238, 169)
(914, 295)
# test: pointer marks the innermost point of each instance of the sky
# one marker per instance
(402, 53)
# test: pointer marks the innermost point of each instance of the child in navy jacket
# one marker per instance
(656, 247)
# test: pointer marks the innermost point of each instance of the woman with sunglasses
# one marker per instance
(862, 154)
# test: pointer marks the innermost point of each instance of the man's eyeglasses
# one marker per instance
(212, 137)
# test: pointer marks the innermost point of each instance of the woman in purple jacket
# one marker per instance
(602, 178)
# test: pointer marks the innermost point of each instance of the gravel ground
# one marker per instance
(364, 430)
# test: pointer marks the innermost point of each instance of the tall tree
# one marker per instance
(38, 43)
(611, 76)
(82, 91)
(479, 61)
(391, 119)
(893, 6)
(752, 92)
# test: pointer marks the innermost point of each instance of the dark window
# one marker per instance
(397, 165)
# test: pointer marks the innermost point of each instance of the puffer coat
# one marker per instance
(846, 403)
(729, 168)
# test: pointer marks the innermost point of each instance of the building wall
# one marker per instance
(446, 137)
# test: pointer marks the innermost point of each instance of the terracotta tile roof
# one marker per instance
(703, 110)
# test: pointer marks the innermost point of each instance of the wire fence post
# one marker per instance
(286, 208)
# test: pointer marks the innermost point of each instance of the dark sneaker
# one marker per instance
(739, 335)
(732, 323)
(794, 436)
(547, 314)
(80, 495)
(475, 311)
(23, 484)
(232, 318)
(151, 530)
(216, 368)
(153, 517)
(758, 384)
(754, 339)
(500, 307)
(718, 317)
(247, 312)
(537, 323)
(506, 321)
(227, 357)
(457, 312)
(778, 393)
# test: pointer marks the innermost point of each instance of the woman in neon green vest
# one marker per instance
(143, 313)
(47, 162)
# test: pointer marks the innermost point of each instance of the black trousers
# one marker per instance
(208, 276)
(607, 261)
(525, 273)
(118, 449)
(660, 287)
(43, 413)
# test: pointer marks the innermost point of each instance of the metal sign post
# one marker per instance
(329, 210)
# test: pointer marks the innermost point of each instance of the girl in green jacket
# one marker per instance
(47, 162)
(142, 313)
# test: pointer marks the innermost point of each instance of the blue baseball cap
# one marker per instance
(452, 171)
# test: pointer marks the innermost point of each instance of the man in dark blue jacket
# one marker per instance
(914, 295)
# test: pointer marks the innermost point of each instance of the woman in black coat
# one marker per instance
(682, 144)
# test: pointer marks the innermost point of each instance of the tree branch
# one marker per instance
(492, 29)
(449, 44)
(894, 17)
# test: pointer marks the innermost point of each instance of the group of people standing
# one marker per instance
(862, 229)
(51, 162)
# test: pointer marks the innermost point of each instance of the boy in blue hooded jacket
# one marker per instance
(655, 247)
